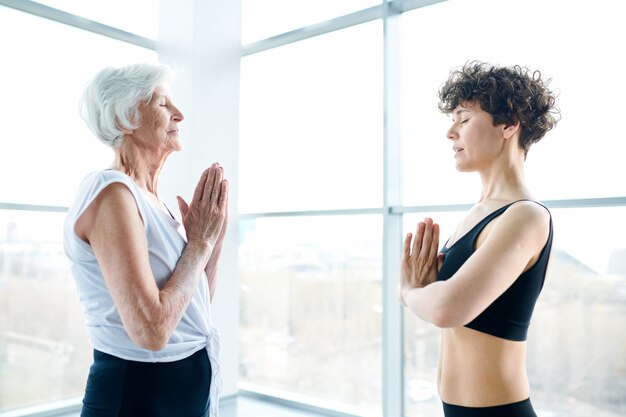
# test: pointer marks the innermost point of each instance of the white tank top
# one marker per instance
(166, 241)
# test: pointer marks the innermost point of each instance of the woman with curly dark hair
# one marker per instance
(482, 286)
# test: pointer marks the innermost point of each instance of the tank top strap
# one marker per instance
(481, 224)
(488, 218)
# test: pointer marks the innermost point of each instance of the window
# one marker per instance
(47, 150)
(421, 339)
(576, 355)
(140, 17)
(582, 302)
(582, 157)
(311, 124)
(570, 371)
(44, 354)
(578, 161)
(264, 18)
(310, 307)
(310, 194)
(311, 139)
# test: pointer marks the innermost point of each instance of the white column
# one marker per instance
(393, 346)
(200, 40)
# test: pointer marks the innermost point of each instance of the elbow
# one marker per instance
(148, 328)
(437, 305)
(154, 345)
(151, 340)
(446, 315)
(442, 318)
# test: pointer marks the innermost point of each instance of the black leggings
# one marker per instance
(122, 388)
(519, 409)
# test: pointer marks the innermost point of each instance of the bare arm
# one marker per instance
(511, 247)
(211, 267)
(114, 229)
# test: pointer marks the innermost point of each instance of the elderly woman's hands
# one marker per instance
(420, 261)
(205, 218)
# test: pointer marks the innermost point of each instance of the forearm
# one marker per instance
(211, 269)
(426, 303)
(163, 316)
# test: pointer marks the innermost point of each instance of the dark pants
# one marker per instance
(519, 409)
(121, 388)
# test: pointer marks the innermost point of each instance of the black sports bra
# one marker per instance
(508, 317)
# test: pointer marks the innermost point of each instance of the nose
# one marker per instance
(452, 133)
(177, 115)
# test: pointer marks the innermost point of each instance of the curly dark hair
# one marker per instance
(509, 94)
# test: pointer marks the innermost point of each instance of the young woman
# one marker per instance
(482, 287)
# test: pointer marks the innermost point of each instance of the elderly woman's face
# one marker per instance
(158, 124)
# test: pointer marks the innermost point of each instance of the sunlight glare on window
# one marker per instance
(140, 17)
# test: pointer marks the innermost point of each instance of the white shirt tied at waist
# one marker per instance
(166, 241)
(213, 350)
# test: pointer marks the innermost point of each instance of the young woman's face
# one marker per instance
(476, 142)
(158, 122)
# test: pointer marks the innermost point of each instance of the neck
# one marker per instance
(504, 180)
(142, 166)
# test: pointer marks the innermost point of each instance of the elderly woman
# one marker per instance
(145, 280)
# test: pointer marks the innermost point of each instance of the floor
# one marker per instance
(251, 407)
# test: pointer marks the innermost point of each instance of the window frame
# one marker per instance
(392, 210)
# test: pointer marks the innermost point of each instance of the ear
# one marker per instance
(123, 129)
(510, 130)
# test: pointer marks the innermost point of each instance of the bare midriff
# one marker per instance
(480, 370)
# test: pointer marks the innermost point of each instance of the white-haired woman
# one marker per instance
(145, 279)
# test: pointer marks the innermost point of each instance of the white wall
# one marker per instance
(200, 40)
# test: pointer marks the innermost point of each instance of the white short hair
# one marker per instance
(110, 99)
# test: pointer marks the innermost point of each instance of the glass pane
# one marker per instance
(46, 147)
(421, 339)
(140, 17)
(582, 157)
(266, 18)
(44, 352)
(311, 307)
(311, 124)
(576, 346)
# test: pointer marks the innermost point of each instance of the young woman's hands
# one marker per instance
(420, 259)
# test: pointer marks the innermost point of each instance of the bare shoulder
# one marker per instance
(525, 220)
(113, 207)
(530, 213)
(116, 196)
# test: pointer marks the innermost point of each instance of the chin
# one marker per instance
(462, 168)
(175, 146)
